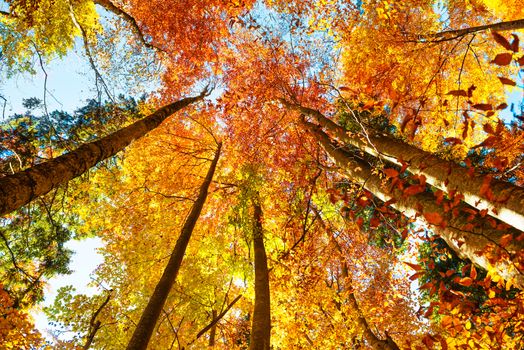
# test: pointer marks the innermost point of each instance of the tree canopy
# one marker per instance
(323, 174)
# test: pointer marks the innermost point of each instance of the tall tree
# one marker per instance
(148, 320)
(23, 187)
(261, 324)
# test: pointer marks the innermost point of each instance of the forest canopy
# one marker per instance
(312, 174)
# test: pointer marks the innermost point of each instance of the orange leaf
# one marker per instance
(473, 272)
(489, 129)
(413, 266)
(483, 106)
(413, 190)
(466, 281)
(501, 40)
(507, 81)
(505, 240)
(433, 218)
(502, 59)
(458, 93)
(390, 172)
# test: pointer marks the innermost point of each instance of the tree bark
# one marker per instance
(498, 27)
(261, 326)
(21, 188)
(465, 241)
(146, 325)
(213, 331)
(508, 200)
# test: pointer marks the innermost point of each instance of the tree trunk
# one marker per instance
(498, 27)
(261, 326)
(367, 334)
(442, 174)
(213, 331)
(21, 188)
(464, 240)
(146, 325)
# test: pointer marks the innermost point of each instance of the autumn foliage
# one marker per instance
(368, 192)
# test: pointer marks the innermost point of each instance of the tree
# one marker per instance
(149, 317)
(398, 139)
(21, 188)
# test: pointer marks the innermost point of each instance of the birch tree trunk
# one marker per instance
(442, 174)
(465, 241)
(21, 188)
(146, 325)
(261, 326)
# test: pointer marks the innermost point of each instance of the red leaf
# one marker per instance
(489, 129)
(415, 276)
(483, 106)
(507, 81)
(521, 61)
(501, 40)
(413, 190)
(344, 88)
(374, 223)
(433, 218)
(515, 43)
(501, 106)
(413, 266)
(473, 272)
(466, 281)
(390, 172)
(502, 59)
(471, 89)
(458, 93)
(504, 241)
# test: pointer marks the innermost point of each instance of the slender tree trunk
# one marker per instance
(213, 331)
(508, 199)
(368, 335)
(146, 325)
(216, 318)
(21, 188)
(463, 239)
(261, 326)
(498, 27)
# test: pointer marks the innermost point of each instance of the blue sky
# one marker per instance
(69, 84)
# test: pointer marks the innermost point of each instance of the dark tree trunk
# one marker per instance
(213, 331)
(21, 188)
(261, 326)
(146, 325)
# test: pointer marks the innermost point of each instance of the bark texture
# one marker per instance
(508, 199)
(146, 325)
(498, 27)
(261, 326)
(465, 241)
(21, 188)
